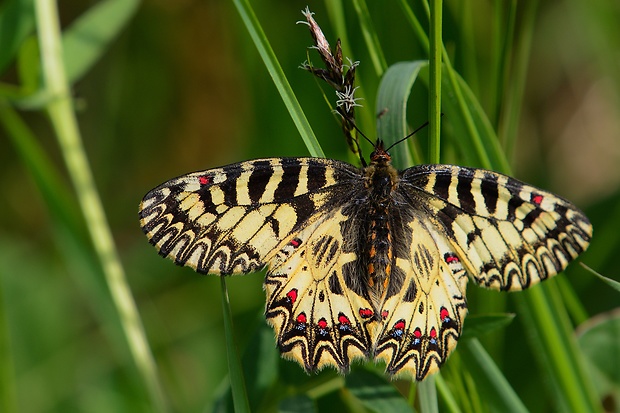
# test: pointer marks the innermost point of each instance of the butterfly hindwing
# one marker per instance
(318, 320)
(422, 323)
(508, 234)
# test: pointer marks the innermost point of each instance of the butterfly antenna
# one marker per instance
(357, 143)
(425, 124)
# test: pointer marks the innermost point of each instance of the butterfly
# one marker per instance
(366, 262)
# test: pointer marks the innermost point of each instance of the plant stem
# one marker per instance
(435, 81)
(62, 118)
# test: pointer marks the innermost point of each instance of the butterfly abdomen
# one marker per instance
(381, 179)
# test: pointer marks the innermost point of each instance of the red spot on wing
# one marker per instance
(301, 318)
(295, 242)
(292, 295)
(450, 258)
(366, 312)
(417, 332)
(205, 180)
(343, 319)
(384, 314)
(537, 199)
(400, 325)
(322, 323)
(444, 314)
(433, 333)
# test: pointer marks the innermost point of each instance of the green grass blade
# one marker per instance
(16, 23)
(479, 142)
(375, 393)
(571, 300)
(46, 176)
(612, 283)
(514, 85)
(235, 372)
(277, 74)
(335, 11)
(392, 98)
(504, 397)
(446, 395)
(83, 43)
(479, 325)
(427, 394)
(434, 89)
(63, 120)
(546, 318)
(7, 372)
(466, 31)
(417, 28)
(503, 43)
(370, 37)
(599, 339)
(90, 35)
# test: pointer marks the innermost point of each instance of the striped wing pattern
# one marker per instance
(234, 219)
(510, 235)
(307, 221)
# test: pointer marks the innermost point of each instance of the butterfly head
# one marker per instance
(380, 156)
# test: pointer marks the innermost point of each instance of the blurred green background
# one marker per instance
(182, 88)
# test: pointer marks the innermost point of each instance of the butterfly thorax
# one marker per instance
(381, 180)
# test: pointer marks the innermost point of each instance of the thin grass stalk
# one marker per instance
(435, 81)
(514, 85)
(415, 25)
(426, 389)
(501, 387)
(335, 12)
(62, 117)
(574, 306)
(277, 75)
(468, 50)
(470, 125)
(552, 334)
(446, 395)
(370, 37)
(503, 42)
(235, 371)
(48, 180)
(427, 393)
(7, 372)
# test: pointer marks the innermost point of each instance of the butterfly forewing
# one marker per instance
(229, 220)
(509, 235)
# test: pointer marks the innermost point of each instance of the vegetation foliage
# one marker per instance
(100, 102)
